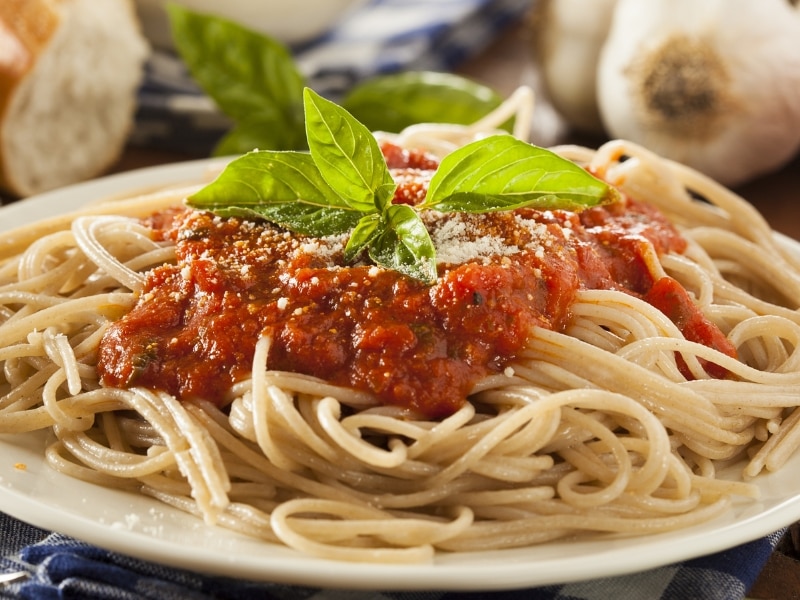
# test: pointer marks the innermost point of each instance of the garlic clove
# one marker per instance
(567, 37)
(714, 84)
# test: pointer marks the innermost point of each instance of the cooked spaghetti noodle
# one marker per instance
(609, 424)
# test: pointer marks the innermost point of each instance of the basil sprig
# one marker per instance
(254, 80)
(344, 185)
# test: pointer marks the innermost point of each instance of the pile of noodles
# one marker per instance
(592, 430)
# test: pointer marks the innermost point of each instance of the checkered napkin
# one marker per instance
(380, 37)
(62, 567)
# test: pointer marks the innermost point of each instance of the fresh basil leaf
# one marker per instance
(283, 187)
(298, 216)
(504, 173)
(470, 202)
(402, 243)
(394, 102)
(362, 235)
(265, 176)
(249, 75)
(347, 154)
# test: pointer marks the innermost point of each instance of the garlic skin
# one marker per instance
(714, 84)
(567, 37)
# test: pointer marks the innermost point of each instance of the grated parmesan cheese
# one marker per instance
(466, 237)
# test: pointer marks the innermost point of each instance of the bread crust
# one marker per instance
(27, 29)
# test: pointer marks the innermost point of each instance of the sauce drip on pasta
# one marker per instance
(195, 326)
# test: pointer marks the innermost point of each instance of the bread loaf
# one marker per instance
(69, 71)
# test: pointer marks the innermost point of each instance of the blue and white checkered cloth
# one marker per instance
(380, 37)
(62, 567)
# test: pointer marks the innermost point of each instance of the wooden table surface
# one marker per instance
(509, 63)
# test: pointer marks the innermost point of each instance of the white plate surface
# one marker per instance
(144, 528)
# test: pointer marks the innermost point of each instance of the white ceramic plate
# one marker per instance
(143, 527)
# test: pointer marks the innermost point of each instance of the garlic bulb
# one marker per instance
(568, 35)
(714, 84)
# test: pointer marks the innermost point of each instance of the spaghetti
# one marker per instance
(612, 422)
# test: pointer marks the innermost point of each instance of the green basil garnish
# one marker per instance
(285, 188)
(254, 80)
(394, 102)
(503, 173)
(251, 77)
(344, 185)
(347, 154)
(403, 244)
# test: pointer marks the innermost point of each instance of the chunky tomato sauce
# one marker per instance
(418, 346)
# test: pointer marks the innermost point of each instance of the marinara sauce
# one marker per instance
(193, 331)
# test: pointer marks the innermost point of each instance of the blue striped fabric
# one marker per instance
(62, 567)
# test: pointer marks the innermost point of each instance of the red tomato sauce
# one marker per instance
(673, 300)
(422, 347)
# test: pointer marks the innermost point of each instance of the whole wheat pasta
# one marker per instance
(612, 423)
